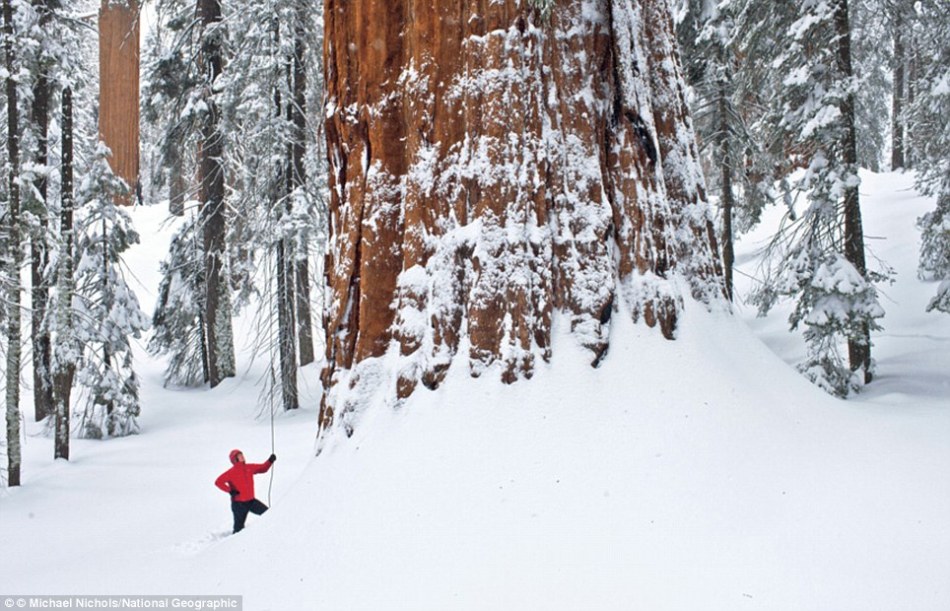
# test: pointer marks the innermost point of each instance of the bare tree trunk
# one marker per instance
(728, 197)
(913, 77)
(42, 351)
(298, 179)
(282, 205)
(176, 185)
(728, 204)
(285, 324)
(12, 292)
(66, 368)
(490, 167)
(106, 354)
(213, 209)
(859, 348)
(897, 114)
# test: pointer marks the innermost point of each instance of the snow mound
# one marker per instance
(702, 473)
(696, 474)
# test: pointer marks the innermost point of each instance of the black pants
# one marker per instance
(240, 509)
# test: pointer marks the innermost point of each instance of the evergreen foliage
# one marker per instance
(83, 308)
(930, 129)
(723, 85)
(872, 57)
(107, 310)
(935, 251)
(177, 322)
(819, 260)
(271, 155)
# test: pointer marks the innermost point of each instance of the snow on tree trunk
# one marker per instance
(859, 348)
(220, 342)
(39, 255)
(298, 180)
(67, 351)
(492, 163)
(897, 95)
(14, 256)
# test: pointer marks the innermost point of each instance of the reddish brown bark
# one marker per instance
(119, 87)
(489, 168)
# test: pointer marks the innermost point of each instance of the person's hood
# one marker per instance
(233, 456)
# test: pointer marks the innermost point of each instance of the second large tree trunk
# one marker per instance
(490, 167)
(119, 88)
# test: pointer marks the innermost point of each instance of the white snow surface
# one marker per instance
(698, 474)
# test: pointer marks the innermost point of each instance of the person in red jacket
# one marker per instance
(238, 481)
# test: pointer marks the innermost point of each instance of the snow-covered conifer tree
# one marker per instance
(264, 103)
(68, 349)
(178, 325)
(92, 311)
(169, 108)
(928, 121)
(724, 84)
(873, 86)
(107, 312)
(44, 59)
(820, 259)
(172, 107)
(269, 155)
(211, 191)
(72, 75)
(13, 255)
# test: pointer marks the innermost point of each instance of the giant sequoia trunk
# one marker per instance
(119, 87)
(490, 167)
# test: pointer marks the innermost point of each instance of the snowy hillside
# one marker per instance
(698, 474)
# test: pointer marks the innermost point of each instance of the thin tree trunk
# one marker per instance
(728, 198)
(910, 135)
(13, 256)
(728, 249)
(897, 110)
(298, 179)
(286, 293)
(42, 351)
(176, 185)
(213, 210)
(66, 367)
(285, 325)
(304, 316)
(859, 347)
(106, 354)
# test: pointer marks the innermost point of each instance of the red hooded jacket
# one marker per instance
(240, 477)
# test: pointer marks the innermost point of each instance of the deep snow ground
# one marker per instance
(697, 474)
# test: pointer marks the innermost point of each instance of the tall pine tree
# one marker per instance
(927, 121)
(14, 257)
(819, 260)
